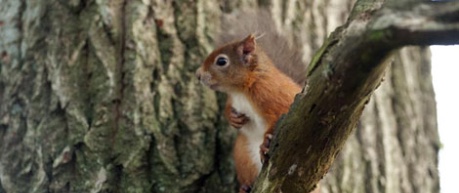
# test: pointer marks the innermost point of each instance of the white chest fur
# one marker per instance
(254, 129)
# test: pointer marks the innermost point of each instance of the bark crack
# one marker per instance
(20, 25)
(120, 67)
(118, 100)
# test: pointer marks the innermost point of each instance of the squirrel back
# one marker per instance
(286, 57)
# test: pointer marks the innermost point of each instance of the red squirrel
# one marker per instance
(258, 94)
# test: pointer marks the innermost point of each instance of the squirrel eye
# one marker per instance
(221, 61)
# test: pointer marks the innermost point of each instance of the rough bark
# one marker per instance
(100, 96)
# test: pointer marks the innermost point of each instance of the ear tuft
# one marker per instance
(248, 44)
(246, 50)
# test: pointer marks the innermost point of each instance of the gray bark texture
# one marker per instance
(100, 96)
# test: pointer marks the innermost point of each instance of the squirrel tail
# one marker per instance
(285, 56)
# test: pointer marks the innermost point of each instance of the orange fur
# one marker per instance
(272, 94)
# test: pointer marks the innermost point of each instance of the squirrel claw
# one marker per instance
(264, 148)
(236, 119)
(245, 189)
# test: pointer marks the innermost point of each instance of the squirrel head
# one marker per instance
(230, 67)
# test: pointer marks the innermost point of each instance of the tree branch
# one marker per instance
(343, 75)
(424, 24)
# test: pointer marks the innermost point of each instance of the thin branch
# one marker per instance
(425, 24)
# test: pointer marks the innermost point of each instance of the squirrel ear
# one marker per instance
(248, 44)
(246, 49)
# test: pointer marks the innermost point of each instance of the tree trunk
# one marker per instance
(100, 96)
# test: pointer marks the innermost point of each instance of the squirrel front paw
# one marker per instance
(236, 119)
(245, 189)
(264, 148)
